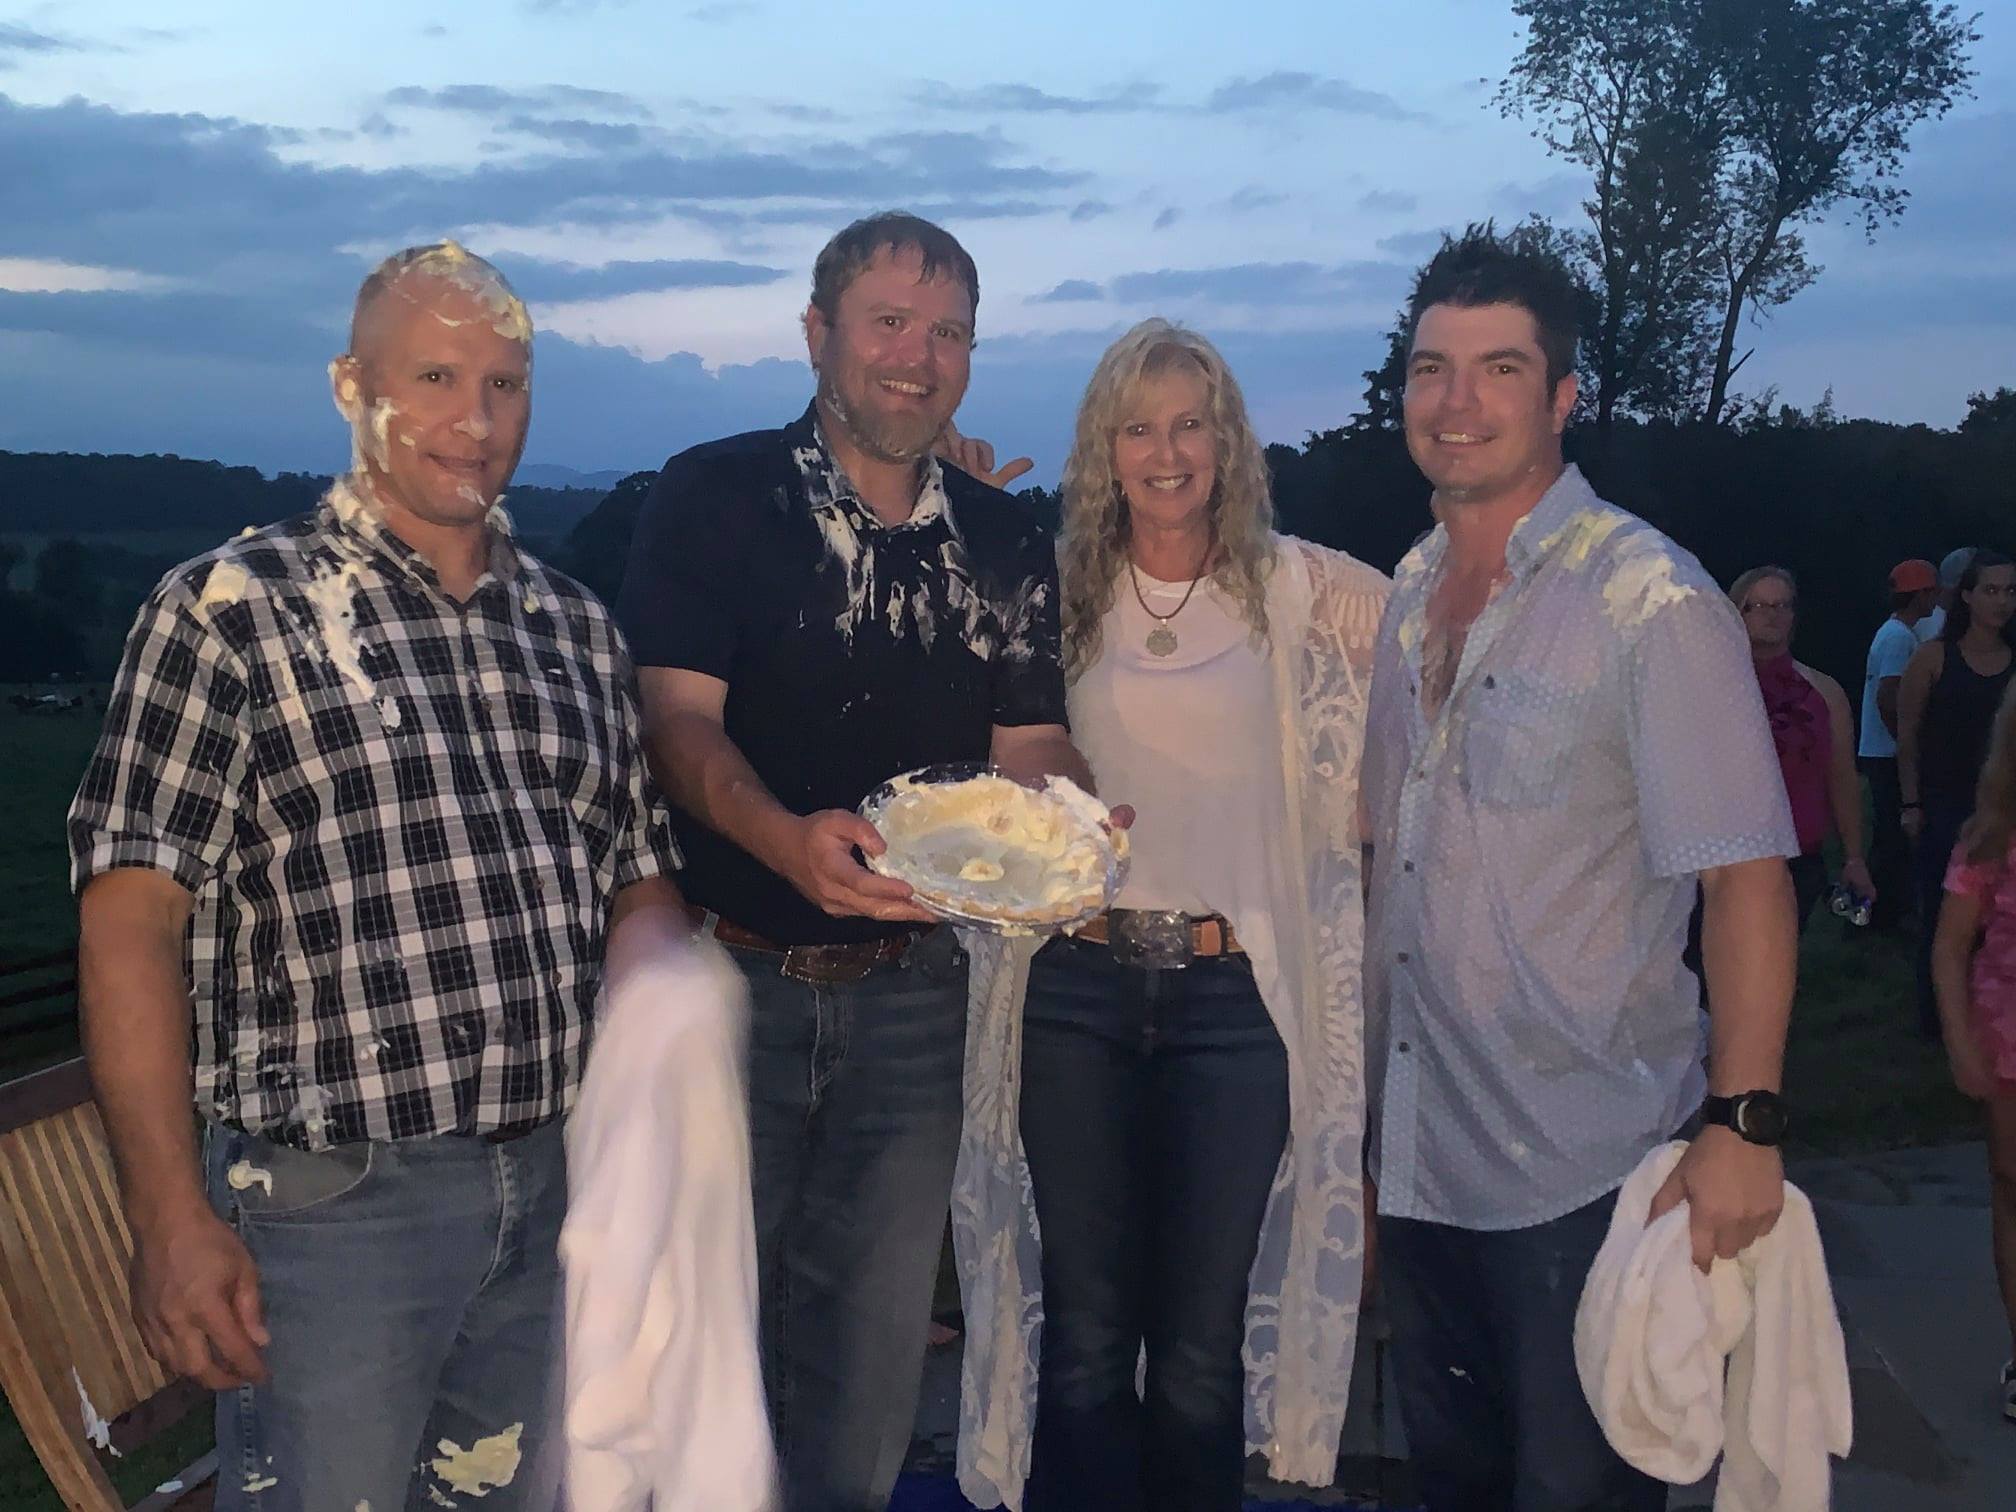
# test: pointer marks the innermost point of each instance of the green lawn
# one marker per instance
(1858, 1075)
(42, 757)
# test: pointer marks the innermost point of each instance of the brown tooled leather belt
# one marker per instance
(818, 964)
(1209, 936)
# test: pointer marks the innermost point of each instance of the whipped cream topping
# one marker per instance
(989, 848)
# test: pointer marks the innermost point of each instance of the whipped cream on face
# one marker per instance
(994, 849)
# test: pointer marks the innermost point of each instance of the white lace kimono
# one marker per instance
(1302, 1307)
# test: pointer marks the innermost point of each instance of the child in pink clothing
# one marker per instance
(1974, 979)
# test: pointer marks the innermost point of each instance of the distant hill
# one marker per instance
(72, 494)
(553, 475)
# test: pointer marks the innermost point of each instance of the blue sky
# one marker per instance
(185, 210)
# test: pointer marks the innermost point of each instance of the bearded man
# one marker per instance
(814, 610)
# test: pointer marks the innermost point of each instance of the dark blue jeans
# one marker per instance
(1154, 1113)
(854, 1109)
(412, 1290)
(1484, 1355)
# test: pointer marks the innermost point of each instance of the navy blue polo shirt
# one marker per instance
(852, 650)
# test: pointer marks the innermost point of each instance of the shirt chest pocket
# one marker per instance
(1519, 742)
(560, 714)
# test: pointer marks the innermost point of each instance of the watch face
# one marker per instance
(1760, 1117)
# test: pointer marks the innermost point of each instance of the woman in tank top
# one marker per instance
(1189, 1077)
(1945, 711)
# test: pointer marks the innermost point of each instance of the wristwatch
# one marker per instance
(1760, 1117)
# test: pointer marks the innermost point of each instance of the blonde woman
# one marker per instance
(1188, 1083)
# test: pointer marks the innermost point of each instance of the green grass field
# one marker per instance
(1857, 1074)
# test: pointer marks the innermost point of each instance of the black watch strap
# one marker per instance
(1759, 1117)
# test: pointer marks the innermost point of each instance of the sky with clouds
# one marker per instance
(185, 210)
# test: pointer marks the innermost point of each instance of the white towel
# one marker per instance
(664, 1396)
(1652, 1335)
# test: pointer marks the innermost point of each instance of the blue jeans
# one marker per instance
(1154, 1113)
(854, 1111)
(412, 1290)
(1483, 1353)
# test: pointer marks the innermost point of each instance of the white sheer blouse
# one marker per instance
(1305, 932)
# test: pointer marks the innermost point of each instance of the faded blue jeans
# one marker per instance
(854, 1110)
(412, 1290)
(1484, 1356)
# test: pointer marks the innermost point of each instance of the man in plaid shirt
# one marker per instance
(369, 801)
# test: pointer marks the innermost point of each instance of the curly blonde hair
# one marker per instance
(1093, 551)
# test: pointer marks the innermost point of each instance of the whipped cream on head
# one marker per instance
(990, 848)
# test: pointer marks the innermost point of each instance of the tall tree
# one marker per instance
(1822, 95)
(1616, 86)
(1712, 130)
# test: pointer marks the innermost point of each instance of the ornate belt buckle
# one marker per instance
(1155, 939)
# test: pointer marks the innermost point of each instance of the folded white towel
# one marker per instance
(1652, 1335)
(664, 1397)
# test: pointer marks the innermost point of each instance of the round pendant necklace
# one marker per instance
(1162, 639)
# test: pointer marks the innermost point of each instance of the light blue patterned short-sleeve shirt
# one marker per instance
(1532, 1032)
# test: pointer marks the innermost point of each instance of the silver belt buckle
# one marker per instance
(1155, 939)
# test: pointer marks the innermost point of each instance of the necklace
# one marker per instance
(1162, 640)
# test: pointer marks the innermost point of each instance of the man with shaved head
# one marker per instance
(368, 804)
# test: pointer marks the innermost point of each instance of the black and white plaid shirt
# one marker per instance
(403, 822)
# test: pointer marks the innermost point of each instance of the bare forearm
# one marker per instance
(1028, 758)
(1749, 950)
(134, 1006)
(706, 774)
(1847, 796)
(1907, 764)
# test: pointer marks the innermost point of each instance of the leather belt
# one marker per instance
(1153, 938)
(818, 964)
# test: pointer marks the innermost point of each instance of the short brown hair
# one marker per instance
(843, 259)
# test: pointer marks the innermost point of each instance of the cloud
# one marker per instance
(1284, 90)
(1027, 99)
(1253, 198)
(1416, 245)
(208, 197)
(488, 99)
(1281, 90)
(1558, 196)
(1089, 210)
(544, 282)
(593, 136)
(1169, 216)
(1282, 283)
(1384, 201)
(15, 38)
(1072, 289)
(722, 12)
(23, 275)
(379, 126)
(1249, 284)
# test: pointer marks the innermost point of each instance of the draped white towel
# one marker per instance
(664, 1396)
(1653, 1335)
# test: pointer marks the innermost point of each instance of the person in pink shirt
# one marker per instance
(1974, 978)
(1814, 732)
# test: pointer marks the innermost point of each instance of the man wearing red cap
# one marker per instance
(1914, 591)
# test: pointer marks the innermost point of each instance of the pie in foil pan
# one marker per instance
(983, 850)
